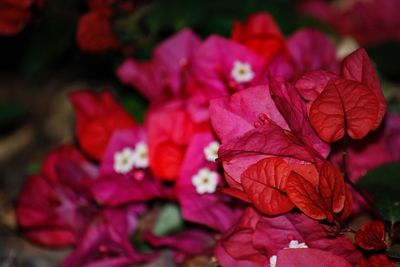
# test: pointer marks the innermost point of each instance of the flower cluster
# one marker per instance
(241, 133)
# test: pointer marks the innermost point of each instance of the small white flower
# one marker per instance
(205, 181)
(141, 155)
(124, 160)
(272, 261)
(211, 151)
(242, 72)
(296, 244)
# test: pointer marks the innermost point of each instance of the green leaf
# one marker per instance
(169, 220)
(383, 183)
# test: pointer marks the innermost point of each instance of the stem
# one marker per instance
(350, 182)
(343, 224)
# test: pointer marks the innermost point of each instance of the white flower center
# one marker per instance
(272, 261)
(211, 151)
(205, 181)
(124, 160)
(141, 155)
(292, 244)
(242, 72)
(296, 244)
(128, 158)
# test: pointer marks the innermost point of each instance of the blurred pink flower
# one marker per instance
(55, 206)
(106, 242)
(370, 22)
(211, 208)
(189, 242)
(164, 76)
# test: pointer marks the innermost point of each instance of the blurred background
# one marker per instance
(49, 48)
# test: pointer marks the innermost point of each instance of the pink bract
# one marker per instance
(256, 238)
(307, 50)
(309, 257)
(210, 209)
(106, 243)
(138, 185)
(211, 69)
(164, 76)
(369, 22)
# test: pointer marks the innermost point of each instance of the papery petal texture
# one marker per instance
(261, 34)
(293, 109)
(165, 75)
(309, 257)
(344, 107)
(210, 209)
(264, 183)
(235, 115)
(371, 236)
(319, 201)
(98, 115)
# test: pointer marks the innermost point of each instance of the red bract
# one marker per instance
(321, 199)
(170, 128)
(37, 207)
(252, 129)
(14, 14)
(95, 33)
(262, 142)
(165, 75)
(54, 207)
(348, 204)
(98, 115)
(264, 183)
(261, 34)
(293, 109)
(351, 103)
(344, 107)
(66, 164)
(371, 236)
(358, 67)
